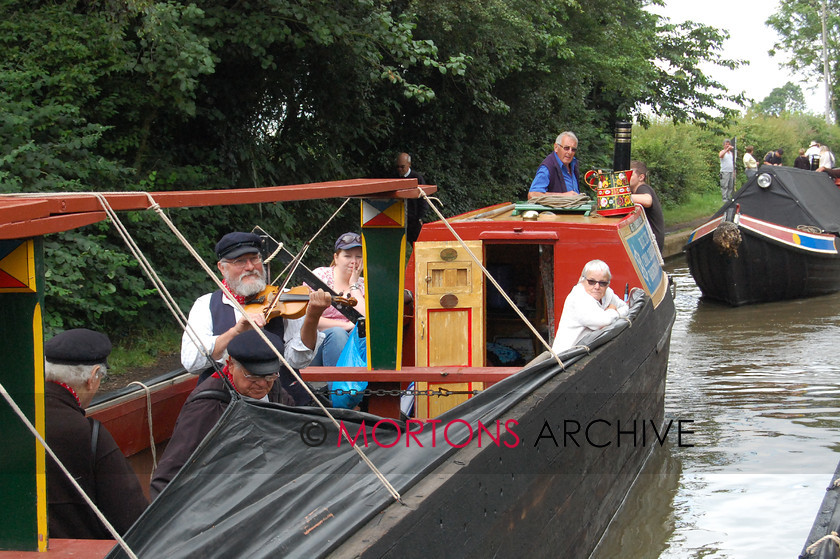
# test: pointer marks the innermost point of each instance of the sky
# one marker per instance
(750, 39)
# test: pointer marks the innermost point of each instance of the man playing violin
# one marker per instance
(216, 321)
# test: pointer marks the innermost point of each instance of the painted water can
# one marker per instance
(613, 190)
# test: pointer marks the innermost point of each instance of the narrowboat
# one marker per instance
(509, 447)
(777, 239)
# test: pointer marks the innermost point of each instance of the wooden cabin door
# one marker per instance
(449, 327)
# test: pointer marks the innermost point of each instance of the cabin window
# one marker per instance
(525, 274)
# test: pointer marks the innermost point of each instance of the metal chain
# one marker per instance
(396, 392)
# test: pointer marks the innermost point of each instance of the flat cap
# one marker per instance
(236, 244)
(78, 346)
(249, 349)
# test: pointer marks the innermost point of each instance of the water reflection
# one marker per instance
(761, 385)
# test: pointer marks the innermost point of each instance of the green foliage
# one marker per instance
(698, 205)
(170, 95)
(790, 133)
(90, 284)
(681, 159)
(143, 347)
(785, 99)
(799, 26)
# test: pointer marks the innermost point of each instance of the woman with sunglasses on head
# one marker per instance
(343, 276)
(591, 305)
(558, 173)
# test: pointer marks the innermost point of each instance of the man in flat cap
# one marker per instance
(251, 369)
(75, 364)
(216, 322)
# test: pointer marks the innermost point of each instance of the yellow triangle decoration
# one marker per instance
(17, 270)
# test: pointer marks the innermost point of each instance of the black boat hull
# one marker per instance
(827, 521)
(765, 268)
(554, 501)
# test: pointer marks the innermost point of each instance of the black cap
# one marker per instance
(348, 241)
(249, 349)
(79, 346)
(236, 244)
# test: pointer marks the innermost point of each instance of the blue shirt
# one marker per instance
(540, 182)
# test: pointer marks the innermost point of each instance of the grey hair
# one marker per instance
(566, 133)
(73, 375)
(596, 266)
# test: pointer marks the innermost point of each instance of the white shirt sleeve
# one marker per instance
(201, 323)
(294, 350)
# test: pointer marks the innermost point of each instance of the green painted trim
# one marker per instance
(19, 459)
(384, 250)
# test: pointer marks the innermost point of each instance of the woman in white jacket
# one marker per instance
(591, 305)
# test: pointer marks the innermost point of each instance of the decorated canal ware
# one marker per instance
(613, 190)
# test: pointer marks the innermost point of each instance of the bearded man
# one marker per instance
(251, 370)
(215, 321)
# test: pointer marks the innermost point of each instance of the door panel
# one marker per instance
(450, 317)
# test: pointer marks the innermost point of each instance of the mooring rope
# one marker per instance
(828, 537)
(67, 474)
(151, 427)
(493, 280)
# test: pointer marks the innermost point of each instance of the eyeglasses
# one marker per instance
(593, 282)
(255, 261)
(255, 378)
(569, 148)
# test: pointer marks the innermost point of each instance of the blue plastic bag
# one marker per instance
(354, 354)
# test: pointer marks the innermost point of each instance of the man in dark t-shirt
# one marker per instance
(644, 195)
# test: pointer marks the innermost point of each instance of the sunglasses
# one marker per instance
(593, 282)
(569, 148)
(350, 238)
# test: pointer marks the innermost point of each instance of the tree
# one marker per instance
(799, 25)
(785, 99)
(141, 95)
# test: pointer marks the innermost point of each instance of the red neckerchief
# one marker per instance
(70, 389)
(239, 298)
(228, 374)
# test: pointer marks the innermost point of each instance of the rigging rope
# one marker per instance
(67, 474)
(156, 207)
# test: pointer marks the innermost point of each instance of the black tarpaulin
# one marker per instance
(795, 197)
(258, 486)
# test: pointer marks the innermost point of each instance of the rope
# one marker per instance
(394, 493)
(151, 430)
(559, 202)
(493, 280)
(828, 537)
(67, 474)
(809, 229)
(275, 253)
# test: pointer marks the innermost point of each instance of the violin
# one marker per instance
(291, 304)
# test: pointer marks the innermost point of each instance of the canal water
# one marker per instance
(761, 384)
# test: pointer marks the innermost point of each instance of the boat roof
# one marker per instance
(30, 215)
(795, 197)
